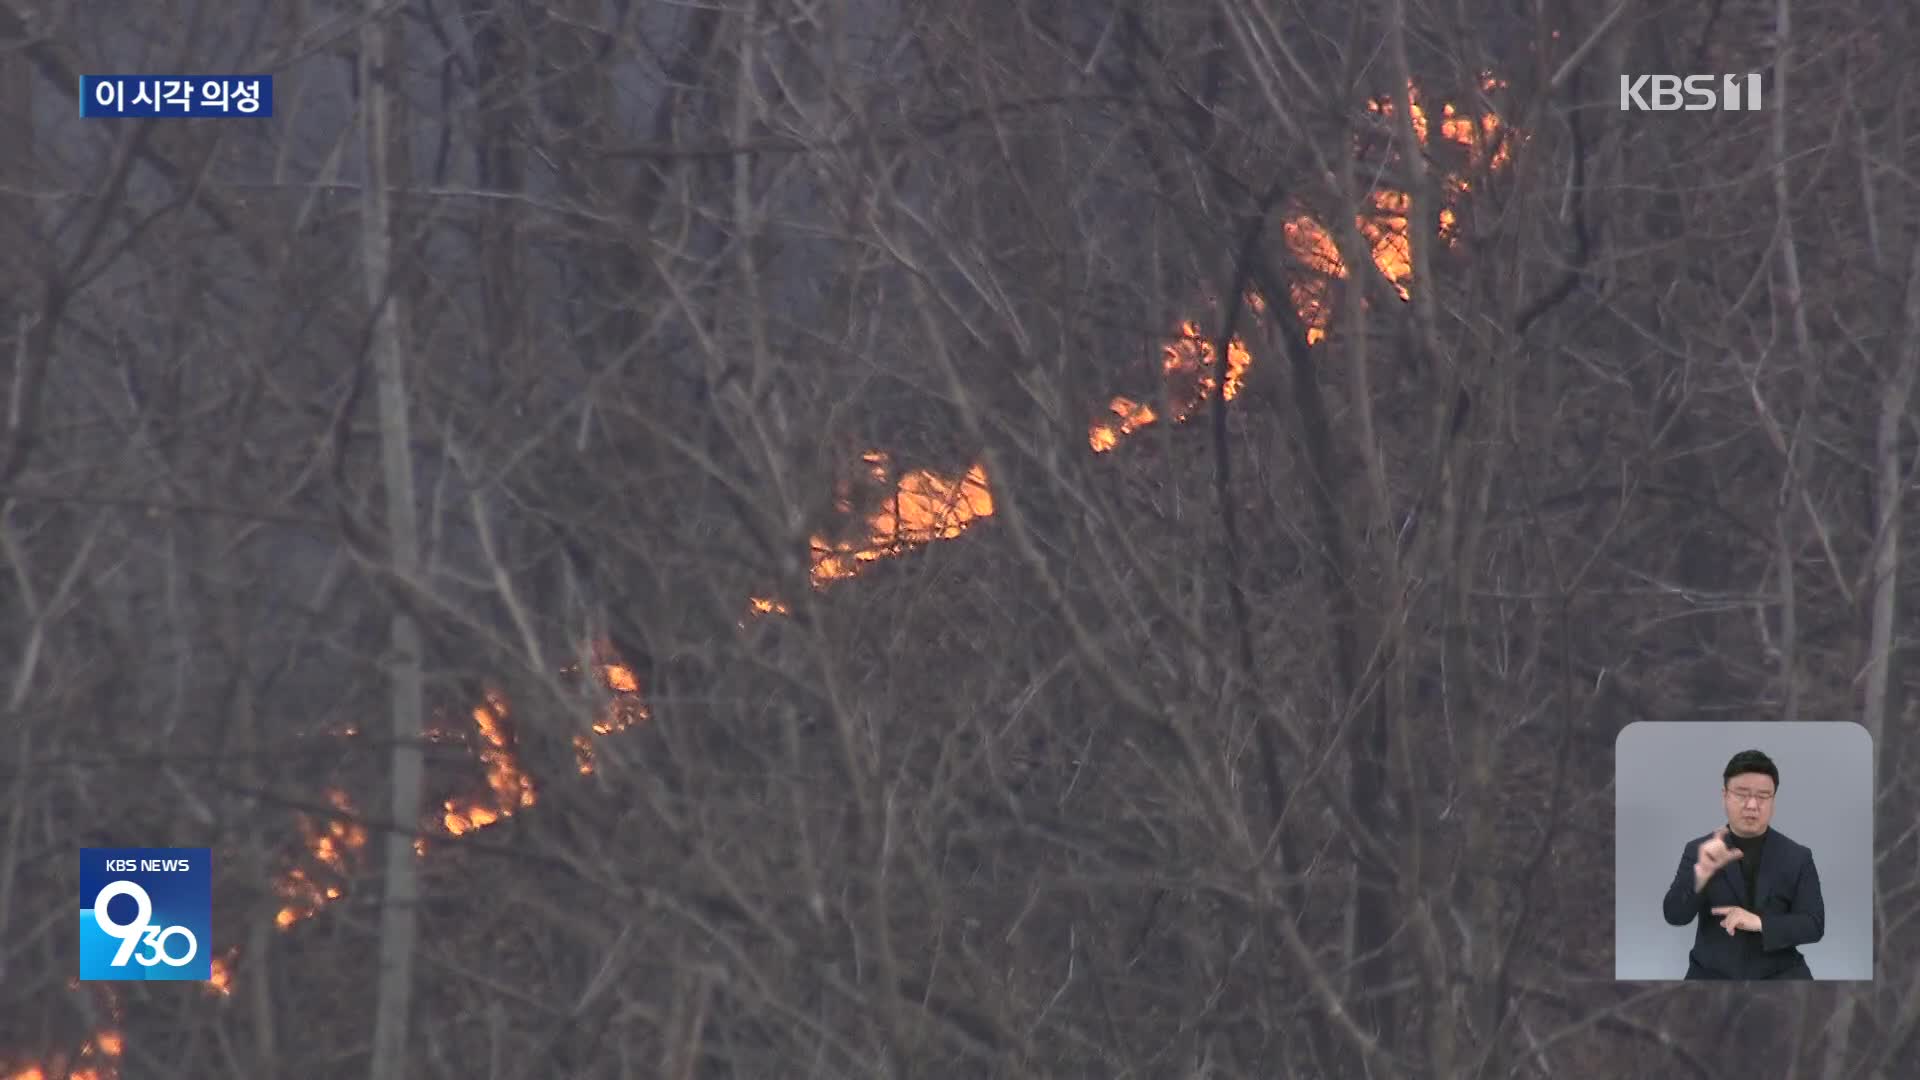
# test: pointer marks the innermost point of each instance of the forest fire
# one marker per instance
(1188, 363)
(925, 506)
(1487, 148)
(919, 507)
(509, 787)
(96, 1059)
(1189, 359)
(333, 847)
(626, 709)
(1482, 137)
(328, 847)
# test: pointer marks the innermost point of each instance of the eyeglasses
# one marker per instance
(1761, 797)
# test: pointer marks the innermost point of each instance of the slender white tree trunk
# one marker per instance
(388, 345)
(1890, 484)
(18, 176)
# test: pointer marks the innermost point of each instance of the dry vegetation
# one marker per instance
(884, 538)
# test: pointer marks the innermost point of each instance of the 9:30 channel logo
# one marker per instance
(146, 914)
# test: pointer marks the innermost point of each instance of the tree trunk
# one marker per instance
(402, 887)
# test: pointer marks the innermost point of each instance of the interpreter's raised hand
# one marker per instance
(1714, 854)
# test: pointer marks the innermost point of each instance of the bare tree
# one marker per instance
(388, 352)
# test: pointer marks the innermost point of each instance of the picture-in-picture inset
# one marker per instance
(1743, 850)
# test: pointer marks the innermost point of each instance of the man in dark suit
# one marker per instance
(1754, 893)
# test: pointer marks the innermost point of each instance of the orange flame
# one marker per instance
(96, 1059)
(1188, 363)
(221, 980)
(922, 507)
(509, 786)
(330, 846)
(625, 710)
(1190, 356)
(1105, 435)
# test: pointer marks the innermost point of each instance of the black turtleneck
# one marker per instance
(1750, 848)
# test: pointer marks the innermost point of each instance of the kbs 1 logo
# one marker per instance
(146, 914)
(1692, 93)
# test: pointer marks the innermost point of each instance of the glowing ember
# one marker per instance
(620, 678)
(1386, 233)
(509, 787)
(96, 1059)
(330, 846)
(1190, 359)
(623, 711)
(222, 980)
(1478, 136)
(1105, 435)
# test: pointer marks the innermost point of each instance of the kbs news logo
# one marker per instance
(146, 914)
(1665, 93)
